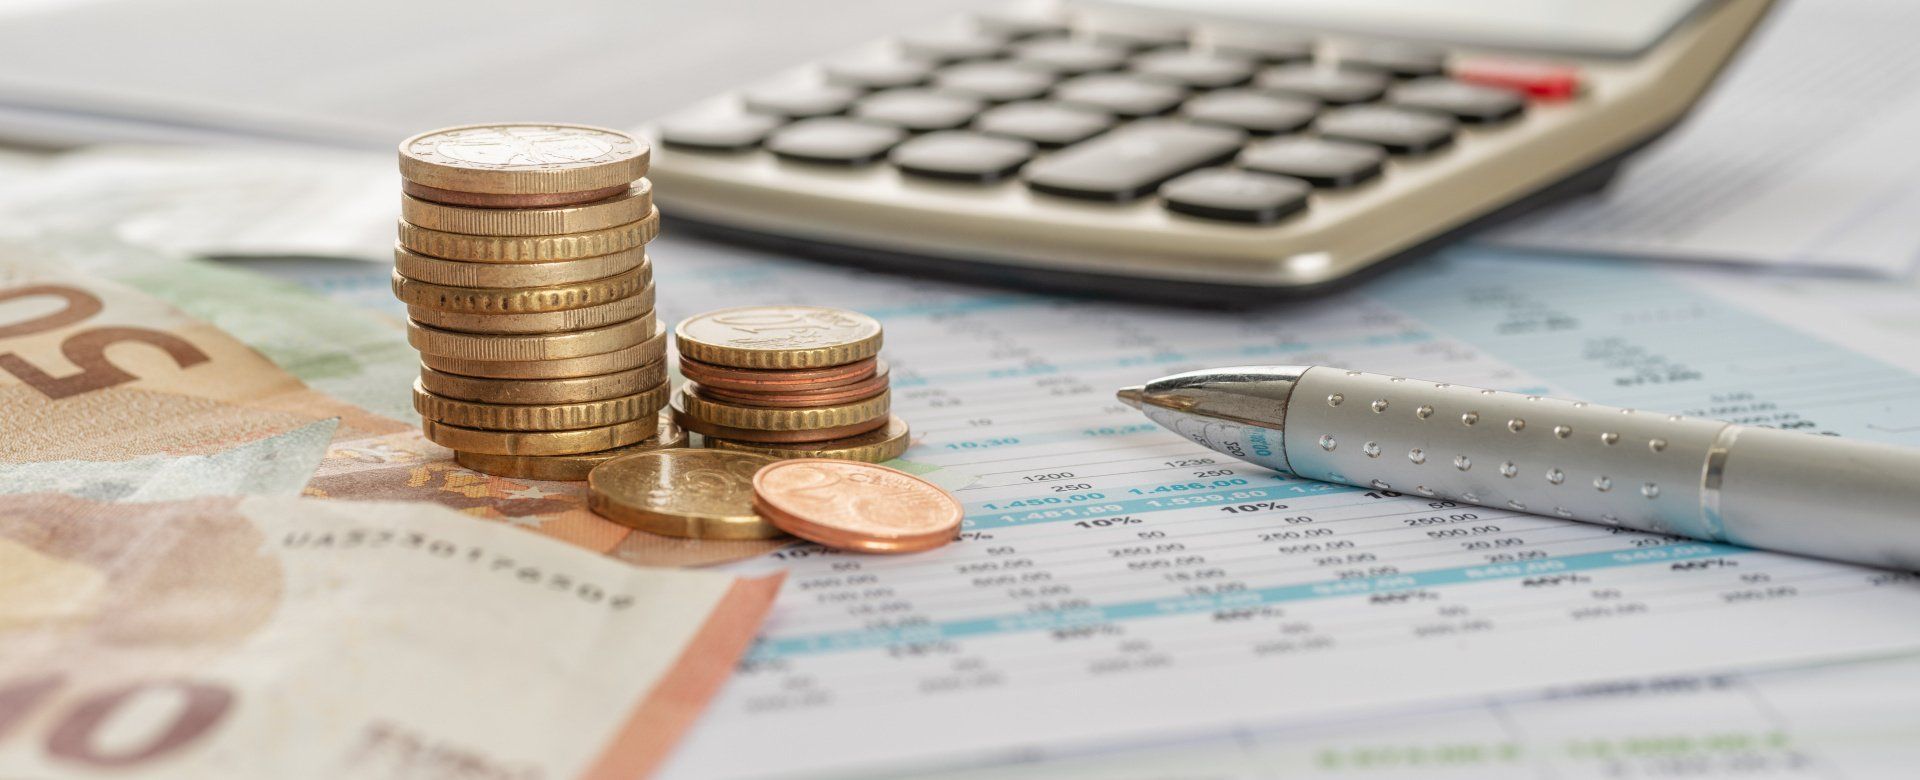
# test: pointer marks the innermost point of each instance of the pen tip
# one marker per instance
(1131, 395)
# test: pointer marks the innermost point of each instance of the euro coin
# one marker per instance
(705, 428)
(528, 249)
(463, 439)
(697, 494)
(778, 337)
(539, 417)
(457, 273)
(748, 380)
(515, 158)
(543, 391)
(568, 468)
(476, 348)
(873, 447)
(619, 358)
(517, 300)
(784, 419)
(623, 310)
(491, 201)
(849, 505)
(630, 206)
(831, 396)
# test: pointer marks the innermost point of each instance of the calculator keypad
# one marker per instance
(1230, 125)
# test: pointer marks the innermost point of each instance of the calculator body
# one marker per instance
(1243, 210)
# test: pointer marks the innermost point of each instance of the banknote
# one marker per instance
(286, 637)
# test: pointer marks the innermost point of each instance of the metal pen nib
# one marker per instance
(1131, 395)
(1238, 411)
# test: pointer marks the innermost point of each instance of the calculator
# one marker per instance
(1203, 149)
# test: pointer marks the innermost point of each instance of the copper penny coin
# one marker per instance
(488, 200)
(850, 505)
(831, 396)
(772, 380)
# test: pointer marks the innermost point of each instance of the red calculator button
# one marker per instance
(1539, 80)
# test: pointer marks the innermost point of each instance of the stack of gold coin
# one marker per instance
(522, 260)
(789, 382)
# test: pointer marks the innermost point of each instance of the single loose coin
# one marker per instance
(568, 468)
(459, 273)
(705, 428)
(621, 358)
(630, 206)
(465, 351)
(831, 396)
(543, 391)
(758, 380)
(539, 417)
(492, 201)
(850, 505)
(486, 442)
(622, 310)
(778, 337)
(519, 300)
(698, 494)
(528, 249)
(766, 418)
(511, 158)
(875, 446)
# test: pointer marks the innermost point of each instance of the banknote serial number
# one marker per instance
(494, 564)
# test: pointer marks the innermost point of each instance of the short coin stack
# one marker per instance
(522, 261)
(789, 382)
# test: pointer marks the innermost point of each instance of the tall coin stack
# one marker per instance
(788, 381)
(522, 260)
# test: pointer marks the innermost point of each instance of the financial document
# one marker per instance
(1117, 586)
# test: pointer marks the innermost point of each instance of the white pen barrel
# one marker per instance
(1820, 495)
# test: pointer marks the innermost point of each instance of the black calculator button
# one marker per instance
(1138, 36)
(1465, 102)
(963, 155)
(997, 82)
(919, 110)
(835, 140)
(878, 73)
(1253, 111)
(1323, 163)
(1333, 86)
(1131, 161)
(1018, 25)
(722, 132)
(1398, 130)
(1236, 195)
(953, 46)
(1268, 48)
(1406, 60)
(1189, 68)
(800, 102)
(1121, 94)
(1068, 56)
(1046, 124)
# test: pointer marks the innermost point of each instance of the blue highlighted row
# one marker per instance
(979, 517)
(1185, 605)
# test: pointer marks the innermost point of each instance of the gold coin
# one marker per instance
(459, 273)
(778, 337)
(543, 391)
(621, 359)
(568, 468)
(529, 249)
(490, 201)
(539, 417)
(516, 158)
(485, 442)
(622, 310)
(697, 494)
(465, 350)
(712, 430)
(520, 300)
(631, 206)
(875, 446)
(771, 418)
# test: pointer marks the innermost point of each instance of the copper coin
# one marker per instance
(850, 505)
(494, 201)
(770, 380)
(705, 428)
(799, 399)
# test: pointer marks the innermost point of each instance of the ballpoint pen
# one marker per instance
(1759, 487)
